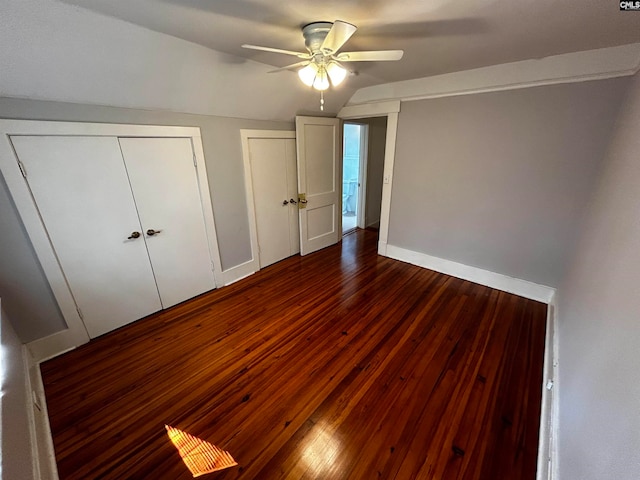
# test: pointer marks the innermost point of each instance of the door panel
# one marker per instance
(320, 220)
(273, 176)
(319, 157)
(319, 174)
(164, 181)
(108, 274)
(269, 177)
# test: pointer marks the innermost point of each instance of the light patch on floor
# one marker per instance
(349, 222)
(199, 456)
(320, 451)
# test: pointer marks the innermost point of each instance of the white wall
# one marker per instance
(55, 51)
(16, 462)
(599, 321)
(499, 180)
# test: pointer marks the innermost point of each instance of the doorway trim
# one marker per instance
(363, 168)
(253, 265)
(391, 110)
(363, 161)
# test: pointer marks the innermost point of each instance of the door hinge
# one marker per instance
(22, 169)
(195, 161)
(80, 313)
(213, 269)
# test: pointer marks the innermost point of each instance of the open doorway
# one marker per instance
(354, 156)
(362, 171)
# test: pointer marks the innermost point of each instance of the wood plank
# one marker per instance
(340, 364)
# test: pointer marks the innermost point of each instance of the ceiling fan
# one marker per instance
(321, 65)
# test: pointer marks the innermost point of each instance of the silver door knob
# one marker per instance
(133, 235)
(292, 201)
(151, 232)
(285, 203)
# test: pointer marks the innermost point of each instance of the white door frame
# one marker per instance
(76, 334)
(361, 215)
(390, 109)
(253, 265)
(363, 162)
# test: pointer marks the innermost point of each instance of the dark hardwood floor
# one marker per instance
(341, 364)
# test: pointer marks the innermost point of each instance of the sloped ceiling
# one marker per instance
(185, 55)
(438, 36)
(60, 52)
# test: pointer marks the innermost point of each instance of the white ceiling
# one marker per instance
(438, 36)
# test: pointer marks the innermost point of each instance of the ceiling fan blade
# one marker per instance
(291, 67)
(277, 50)
(370, 56)
(338, 35)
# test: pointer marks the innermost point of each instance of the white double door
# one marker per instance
(125, 219)
(279, 167)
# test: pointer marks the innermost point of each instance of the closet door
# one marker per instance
(164, 181)
(275, 195)
(82, 192)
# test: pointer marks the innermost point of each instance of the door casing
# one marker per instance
(362, 170)
(390, 109)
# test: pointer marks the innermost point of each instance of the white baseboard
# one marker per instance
(239, 272)
(523, 288)
(42, 450)
(382, 248)
(60, 342)
(375, 224)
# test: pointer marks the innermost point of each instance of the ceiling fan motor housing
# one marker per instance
(314, 34)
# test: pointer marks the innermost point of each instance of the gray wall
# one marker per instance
(499, 180)
(15, 457)
(27, 297)
(599, 321)
(375, 169)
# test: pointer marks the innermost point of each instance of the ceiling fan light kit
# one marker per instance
(320, 67)
(308, 74)
(336, 73)
(318, 75)
(321, 81)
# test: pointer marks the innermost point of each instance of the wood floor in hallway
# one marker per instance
(339, 365)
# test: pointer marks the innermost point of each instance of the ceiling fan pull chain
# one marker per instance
(322, 101)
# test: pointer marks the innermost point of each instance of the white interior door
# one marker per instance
(319, 179)
(274, 179)
(164, 181)
(82, 192)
